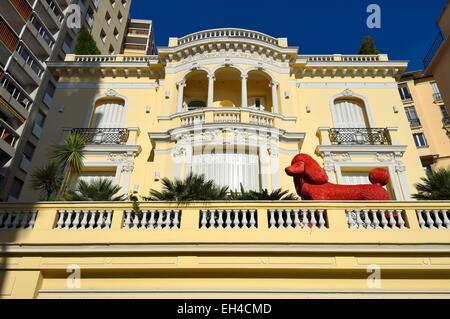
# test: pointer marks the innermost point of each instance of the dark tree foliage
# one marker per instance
(86, 44)
(368, 46)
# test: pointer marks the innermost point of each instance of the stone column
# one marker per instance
(274, 97)
(211, 79)
(244, 97)
(181, 86)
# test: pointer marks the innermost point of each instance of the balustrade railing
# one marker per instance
(432, 219)
(433, 49)
(414, 123)
(227, 117)
(8, 134)
(228, 218)
(152, 219)
(103, 135)
(193, 119)
(341, 58)
(293, 218)
(376, 219)
(83, 220)
(437, 97)
(227, 33)
(360, 136)
(261, 120)
(17, 220)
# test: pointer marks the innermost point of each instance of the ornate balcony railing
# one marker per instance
(446, 121)
(103, 135)
(360, 136)
(227, 33)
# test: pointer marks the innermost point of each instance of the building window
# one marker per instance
(120, 17)
(111, 50)
(67, 44)
(420, 140)
(445, 116)
(103, 36)
(28, 150)
(428, 169)
(113, 3)
(16, 188)
(404, 93)
(40, 119)
(108, 18)
(49, 93)
(412, 116)
(436, 93)
(116, 33)
(124, 3)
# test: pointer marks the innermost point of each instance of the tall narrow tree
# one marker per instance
(70, 157)
(368, 46)
(86, 44)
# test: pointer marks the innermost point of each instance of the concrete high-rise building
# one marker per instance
(31, 33)
(428, 118)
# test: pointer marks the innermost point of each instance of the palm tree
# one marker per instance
(47, 180)
(436, 186)
(70, 157)
(192, 188)
(277, 194)
(100, 189)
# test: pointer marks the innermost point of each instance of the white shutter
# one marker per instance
(109, 115)
(349, 114)
(229, 169)
(435, 88)
(354, 178)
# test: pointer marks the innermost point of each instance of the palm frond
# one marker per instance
(47, 179)
(435, 186)
(100, 189)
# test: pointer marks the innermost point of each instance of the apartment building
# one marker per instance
(33, 32)
(437, 60)
(428, 117)
(139, 38)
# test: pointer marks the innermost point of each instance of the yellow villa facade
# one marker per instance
(236, 108)
(235, 105)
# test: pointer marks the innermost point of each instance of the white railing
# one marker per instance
(227, 117)
(84, 220)
(152, 219)
(261, 120)
(193, 119)
(231, 218)
(433, 219)
(17, 220)
(95, 58)
(341, 58)
(111, 58)
(376, 219)
(291, 218)
(227, 33)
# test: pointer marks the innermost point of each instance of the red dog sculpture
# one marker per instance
(311, 183)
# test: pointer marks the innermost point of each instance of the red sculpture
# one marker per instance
(311, 183)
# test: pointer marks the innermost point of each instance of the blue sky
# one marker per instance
(408, 27)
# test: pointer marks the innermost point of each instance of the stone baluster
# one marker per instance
(305, 219)
(151, 223)
(272, 221)
(376, 222)
(236, 218)
(351, 220)
(367, 220)
(289, 219)
(168, 221)
(127, 222)
(68, 220)
(384, 221)
(84, 220)
(313, 218)
(401, 221)
(228, 220)
(60, 222)
(244, 219)
(15, 222)
(203, 221)
(25, 216)
(159, 220)
(32, 220)
(136, 221)
(176, 219)
(446, 218)
(437, 219)
(108, 219)
(296, 219)
(144, 220)
(322, 221)
(359, 221)
(76, 220)
(220, 218)
(392, 220)
(253, 219)
(280, 220)
(430, 221)
(420, 218)
(92, 221)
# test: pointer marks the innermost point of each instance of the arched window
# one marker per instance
(349, 113)
(109, 113)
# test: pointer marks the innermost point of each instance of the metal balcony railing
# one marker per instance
(360, 136)
(103, 135)
(432, 51)
(437, 97)
(446, 121)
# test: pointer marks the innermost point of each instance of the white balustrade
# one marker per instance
(95, 58)
(340, 58)
(227, 117)
(17, 220)
(376, 219)
(294, 218)
(261, 120)
(152, 219)
(229, 33)
(228, 219)
(83, 220)
(193, 119)
(434, 219)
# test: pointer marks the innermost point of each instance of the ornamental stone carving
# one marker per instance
(125, 160)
